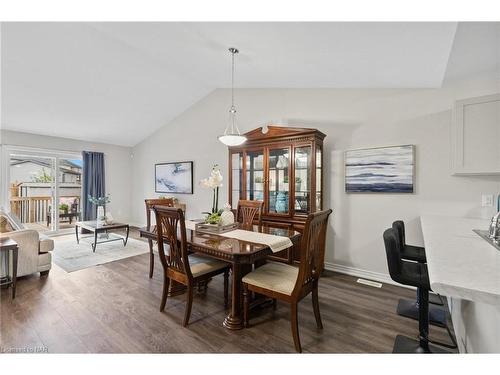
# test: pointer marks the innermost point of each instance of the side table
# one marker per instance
(8, 246)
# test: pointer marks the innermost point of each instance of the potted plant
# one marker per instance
(213, 182)
(100, 202)
(63, 207)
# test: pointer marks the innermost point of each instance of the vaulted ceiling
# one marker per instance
(119, 82)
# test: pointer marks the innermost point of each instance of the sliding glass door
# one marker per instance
(44, 188)
(69, 191)
(31, 190)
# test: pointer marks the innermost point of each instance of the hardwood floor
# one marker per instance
(114, 308)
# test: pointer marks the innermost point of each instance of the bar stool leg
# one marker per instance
(423, 319)
(407, 345)
(409, 309)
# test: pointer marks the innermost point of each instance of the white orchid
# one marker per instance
(215, 179)
(214, 182)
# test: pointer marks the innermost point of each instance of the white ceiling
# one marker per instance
(476, 50)
(119, 82)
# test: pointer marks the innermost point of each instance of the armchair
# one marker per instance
(34, 249)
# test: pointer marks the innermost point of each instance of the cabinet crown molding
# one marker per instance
(275, 132)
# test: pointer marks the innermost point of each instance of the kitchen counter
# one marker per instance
(461, 264)
(465, 268)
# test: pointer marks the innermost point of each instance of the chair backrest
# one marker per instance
(399, 228)
(248, 211)
(13, 220)
(393, 253)
(312, 248)
(171, 228)
(168, 202)
(74, 206)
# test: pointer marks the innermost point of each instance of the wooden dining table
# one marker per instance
(240, 254)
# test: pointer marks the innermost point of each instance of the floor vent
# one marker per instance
(370, 283)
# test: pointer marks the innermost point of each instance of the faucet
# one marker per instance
(494, 232)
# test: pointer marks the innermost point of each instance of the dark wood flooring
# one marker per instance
(114, 308)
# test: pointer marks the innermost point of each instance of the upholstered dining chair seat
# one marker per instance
(278, 277)
(201, 264)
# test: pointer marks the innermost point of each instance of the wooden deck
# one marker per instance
(42, 227)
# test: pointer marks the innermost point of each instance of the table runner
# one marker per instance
(275, 243)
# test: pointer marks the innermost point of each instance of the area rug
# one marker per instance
(71, 256)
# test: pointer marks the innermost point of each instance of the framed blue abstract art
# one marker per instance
(174, 177)
(380, 170)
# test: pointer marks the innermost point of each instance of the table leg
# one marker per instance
(76, 232)
(151, 258)
(6, 265)
(126, 238)
(234, 320)
(94, 245)
(14, 272)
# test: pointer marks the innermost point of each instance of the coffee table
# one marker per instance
(93, 227)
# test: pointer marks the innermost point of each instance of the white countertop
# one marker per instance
(460, 263)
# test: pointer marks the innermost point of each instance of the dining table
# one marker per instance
(241, 254)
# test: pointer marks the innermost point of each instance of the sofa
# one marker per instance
(34, 248)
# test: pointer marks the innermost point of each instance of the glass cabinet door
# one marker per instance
(236, 178)
(302, 183)
(278, 183)
(319, 202)
(255, 175)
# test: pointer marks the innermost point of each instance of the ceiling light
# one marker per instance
(232, 136)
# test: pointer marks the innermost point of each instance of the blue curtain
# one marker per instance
(93, 181)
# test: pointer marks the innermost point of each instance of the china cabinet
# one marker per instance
(282, 167)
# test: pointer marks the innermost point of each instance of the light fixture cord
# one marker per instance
(232, 80)
(233, 110)
(234, 128)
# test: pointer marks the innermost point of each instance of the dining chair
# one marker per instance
(187, 269)
(248, 211)
(289, 283)
(169, 202)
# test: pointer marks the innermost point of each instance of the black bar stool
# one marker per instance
(409, 308)
(413, 274)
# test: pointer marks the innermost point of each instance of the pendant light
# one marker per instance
(232, 136)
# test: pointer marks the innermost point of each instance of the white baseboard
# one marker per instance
(365, 274)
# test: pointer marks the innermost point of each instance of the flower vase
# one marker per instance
(281, 202)
(227, 216)
(100, 216)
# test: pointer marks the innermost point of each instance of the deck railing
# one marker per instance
(34, 209)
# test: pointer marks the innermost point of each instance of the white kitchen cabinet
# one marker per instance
(476, 136)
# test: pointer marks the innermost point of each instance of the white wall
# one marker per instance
(351, 118)
(117, 164)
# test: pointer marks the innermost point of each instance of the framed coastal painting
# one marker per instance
(380, 170)
(174, 177)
